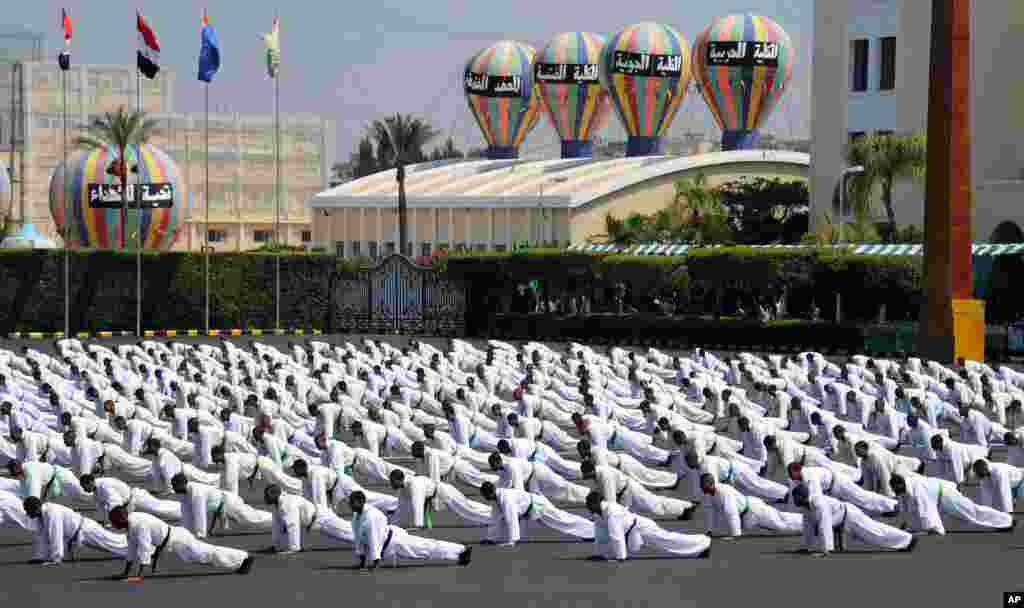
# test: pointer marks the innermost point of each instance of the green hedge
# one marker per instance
(104, 294)
(714, 281)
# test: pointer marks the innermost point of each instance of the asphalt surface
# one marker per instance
(965, 568)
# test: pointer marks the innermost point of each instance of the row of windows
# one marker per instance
(374, 250)
(259, 236)
(860, 55)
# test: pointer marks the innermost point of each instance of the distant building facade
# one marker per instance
(241, 171)
(870, 75)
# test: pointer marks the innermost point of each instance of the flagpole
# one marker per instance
(67, 219)
(206, 190)
(277, 206)
(138, 216)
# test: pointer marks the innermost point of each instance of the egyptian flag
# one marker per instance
(64, 59)
(149, 50)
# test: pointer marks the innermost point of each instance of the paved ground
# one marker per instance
(964, 568)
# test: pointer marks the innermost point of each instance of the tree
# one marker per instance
(362, 161)
(767, 210)
(700, 207)
(446, 152)
(119, 130)
(400, 139)
(886, 158)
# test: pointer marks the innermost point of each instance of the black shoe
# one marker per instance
(705, 554)
(246, 565)
(920, 469)
(763, 470)
(466, 556)
(893, 513)
(910, 548)
(687, 515)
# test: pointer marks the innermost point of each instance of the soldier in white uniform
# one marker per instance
(205, 507)
(61, 531)
(294, 515)
(923, 500)
(828, 482)
(725, 505)
(419, 497)
(829, 522)
(376, 539)
(511, 506)
(111, 492)
(1000, 484)
(148, 538)
(617, 532)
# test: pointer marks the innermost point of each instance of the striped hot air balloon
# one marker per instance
(568, 80)
(501, 94)
(101, 228)
(743, 64)
(646, 70)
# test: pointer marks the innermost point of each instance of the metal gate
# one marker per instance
(399, 297)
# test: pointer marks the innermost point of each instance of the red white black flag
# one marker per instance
(149, 50)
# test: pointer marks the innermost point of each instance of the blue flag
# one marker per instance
(209, 53)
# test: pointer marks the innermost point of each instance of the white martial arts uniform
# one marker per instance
(50, 481)
(822, 480)
(1002, 486)
(147, 536)
(512, 505)
(617, 532)
(60, 529)
(420, 497)
(206, 506)
(12, 513)
(293, 516)
(630, 494)
(442, 467)
(167, 465)
(745, 479)
(250, 467)
(730, 508)
(376, 540)
(927, 498)
(111, 492)
(828, 517)
(329, 487)
(650, 478)
(878, 467)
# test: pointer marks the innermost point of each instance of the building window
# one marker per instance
(307, 236)
(263, 236)
(216, 236)
(339, 248)
(859, 53)
(887, 73)
(425, 248)
(372, 247)
(356, 249)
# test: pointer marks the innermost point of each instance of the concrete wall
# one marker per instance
(830, 79)
(997, 116)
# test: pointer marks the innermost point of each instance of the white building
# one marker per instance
(876, 80)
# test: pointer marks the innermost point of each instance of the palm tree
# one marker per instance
(700, 207)
(119, 130)
(400, 139)
(886, 158)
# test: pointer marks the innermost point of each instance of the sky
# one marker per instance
(360, 60)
